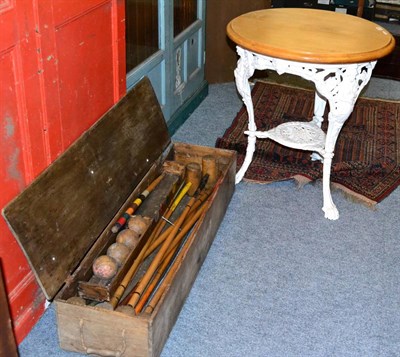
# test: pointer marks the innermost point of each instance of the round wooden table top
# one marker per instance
(313, 36)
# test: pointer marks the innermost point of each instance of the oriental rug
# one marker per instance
(367, 154)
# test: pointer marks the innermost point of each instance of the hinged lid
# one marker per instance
(60, 215)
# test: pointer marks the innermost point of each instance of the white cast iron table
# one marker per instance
(337, 52)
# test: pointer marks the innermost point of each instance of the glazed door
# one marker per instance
(188, 50)
(165, 41)
(62, 65)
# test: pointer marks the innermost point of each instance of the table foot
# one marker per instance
(238, 178)
(331, 212)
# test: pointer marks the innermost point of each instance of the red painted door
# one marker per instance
(62, 65)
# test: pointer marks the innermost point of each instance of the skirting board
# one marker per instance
(180, 116)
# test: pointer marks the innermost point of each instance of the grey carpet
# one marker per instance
(280, 279)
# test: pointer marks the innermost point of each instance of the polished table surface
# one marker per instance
(308, 35)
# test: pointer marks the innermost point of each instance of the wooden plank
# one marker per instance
(186, 153)
(91, 330)
(61, 214)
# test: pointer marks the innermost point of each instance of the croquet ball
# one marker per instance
(119, 252)
(137, 224)
(129, 238)
(105, 267)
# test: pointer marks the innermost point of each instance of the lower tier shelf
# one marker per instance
(297, 135)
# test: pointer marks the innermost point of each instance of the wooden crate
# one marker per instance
(63, 222)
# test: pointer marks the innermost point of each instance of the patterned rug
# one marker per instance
(367, 154)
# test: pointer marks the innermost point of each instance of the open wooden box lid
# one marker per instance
(62, 213)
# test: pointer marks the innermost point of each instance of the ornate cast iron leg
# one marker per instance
(342, 88)
(319, 109)
(243, 72)
(334, 128)
(318, 118)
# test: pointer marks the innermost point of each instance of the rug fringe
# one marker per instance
(354, 196)
(301, 181)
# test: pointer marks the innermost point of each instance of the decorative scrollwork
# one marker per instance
(339, 84)
(297, 135)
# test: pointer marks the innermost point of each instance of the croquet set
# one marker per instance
(117, 228)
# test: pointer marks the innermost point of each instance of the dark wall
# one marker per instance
(221, 55)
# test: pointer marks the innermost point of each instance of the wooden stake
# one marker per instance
(185, 187)
(170, 274)
(163, 267)
(154, 264)
(160, 239)
(141, 257)
(138, 201)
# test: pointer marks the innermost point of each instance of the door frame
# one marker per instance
(160, 67)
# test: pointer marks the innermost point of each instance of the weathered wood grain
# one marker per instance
(187, 153)
(90, 330)
(84, 270)
(61, 214)
(150, 332)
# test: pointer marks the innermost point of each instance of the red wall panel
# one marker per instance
(62, 65)
(16, 164)
(85, 91)
(14, 141)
